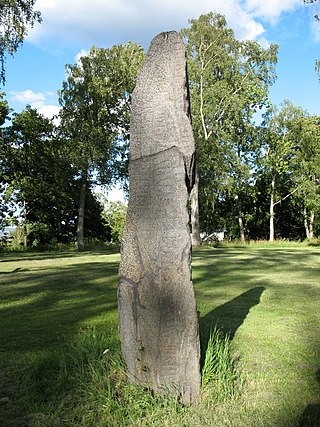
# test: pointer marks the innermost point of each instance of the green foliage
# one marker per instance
(255, 181)
(115, 215)
(229, 82)
(17, 240)
(5, 208)
(43, 168)
(308, 173)
(4, 109)
(39, 178)
(314, 242)
(39, 234)
(283, 169)
(95, 101)
(16, 17)
(281, 137)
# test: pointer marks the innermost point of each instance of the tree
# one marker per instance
(115, 215)
(4, 109)
(15, 17)
(228, 82)
(22, 146)
(95, 102)
(280, 144)
(309, 172)
(4, 209)
(40, 179)
(241, 159)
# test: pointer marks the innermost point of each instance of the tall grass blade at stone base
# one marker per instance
(83, 378)
(85, 354)
(219, 375)
(89, 387)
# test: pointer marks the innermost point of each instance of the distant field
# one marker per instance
(59, 343)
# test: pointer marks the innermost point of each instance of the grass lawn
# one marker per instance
(59, 343)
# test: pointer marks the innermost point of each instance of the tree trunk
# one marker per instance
(195, 225)
(241, 226)
(25, 242)
(306, 225)
(271, 227)
(311, 225)
(311, 217)
(80, 227)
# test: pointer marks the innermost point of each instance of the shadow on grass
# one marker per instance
(229, 316)
(43, 305)
(311, 415)
(16, 270)
(32, 256)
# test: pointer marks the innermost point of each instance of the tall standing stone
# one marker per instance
(157, 308)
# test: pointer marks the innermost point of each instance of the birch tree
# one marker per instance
(15, 18)
(95, 100)
(4, 113)
(227, 77)
(280, 145)
(309, 172)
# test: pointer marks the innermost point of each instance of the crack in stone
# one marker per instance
(146, 156)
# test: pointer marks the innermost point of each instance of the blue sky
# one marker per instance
(70, 27)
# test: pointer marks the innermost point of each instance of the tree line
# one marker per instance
(258, 172)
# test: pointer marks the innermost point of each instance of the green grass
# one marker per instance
(59, 345)
(219, 375)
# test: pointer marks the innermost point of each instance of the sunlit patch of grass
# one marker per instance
(276, 244)
(60, 352)
(267, 299)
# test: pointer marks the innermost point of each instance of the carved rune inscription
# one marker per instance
(157, 308)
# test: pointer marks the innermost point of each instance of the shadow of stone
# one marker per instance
(229, 316)
(311, 414)
(16, 270)
(57, 301)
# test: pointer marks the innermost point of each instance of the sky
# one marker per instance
(70, 28)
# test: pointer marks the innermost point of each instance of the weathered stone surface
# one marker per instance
(157, 308)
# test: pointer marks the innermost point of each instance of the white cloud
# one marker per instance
(28, 97)
(116, 194)
(50, 111)
(313, 12)
(38, 100)
(111, 194)
(108, 22)
(315, 28)
(271, 9)
(83, 52)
